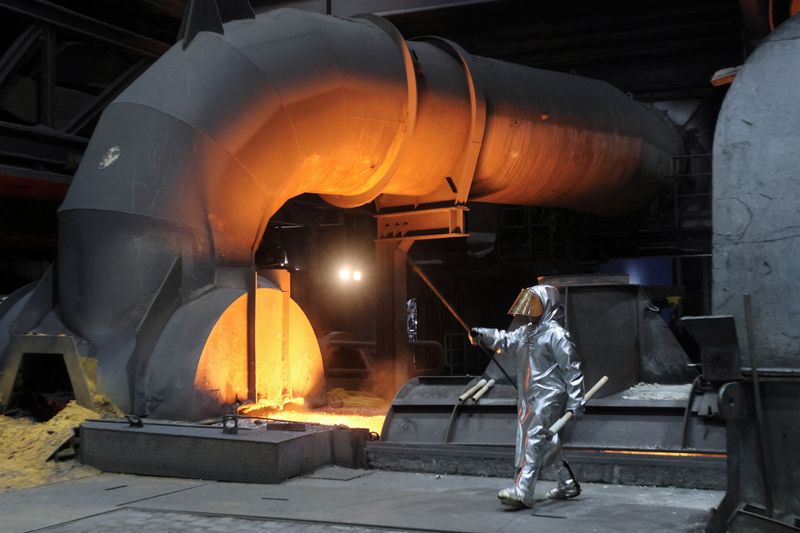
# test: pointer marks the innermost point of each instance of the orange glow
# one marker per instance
(330, 417)
(222, 370)
(288, 361)
(666, 454)
(345, 408)
(290, 381)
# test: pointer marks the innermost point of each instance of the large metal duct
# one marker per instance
(187, 165)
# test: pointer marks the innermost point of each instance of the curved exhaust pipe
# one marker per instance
(187, 165)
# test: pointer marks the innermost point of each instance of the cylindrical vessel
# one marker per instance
(756, 242)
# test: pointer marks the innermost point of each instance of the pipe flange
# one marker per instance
(465, 169)
(389, 167)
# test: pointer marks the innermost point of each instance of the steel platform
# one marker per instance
(633, 437)
(196, 451)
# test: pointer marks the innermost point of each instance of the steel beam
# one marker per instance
(78, 23)
(39, 133)
(437, 223)
(172, 8)
(47, 78)
(40, 144)
(21, 46)
(391, 340)
(89, 114)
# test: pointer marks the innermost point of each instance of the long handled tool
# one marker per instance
(472, 390)
(461, 399)
(763, 440)
(483, 390)
(418, 271)
(555, 428)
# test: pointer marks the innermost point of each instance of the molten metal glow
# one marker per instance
(374, 423)
(344, 408)
(666, 454)
(290, 382)
(329, 417)
(288, 361)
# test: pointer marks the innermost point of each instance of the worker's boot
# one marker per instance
(567, 486)
(511, 498)
(565, 491)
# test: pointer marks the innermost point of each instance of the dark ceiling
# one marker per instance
(657, 50)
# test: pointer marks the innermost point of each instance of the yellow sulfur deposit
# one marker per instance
(101, 403)
(25, 446)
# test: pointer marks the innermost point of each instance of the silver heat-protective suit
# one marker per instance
(549, 382)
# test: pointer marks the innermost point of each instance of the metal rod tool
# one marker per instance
(418, 271)
(763, 440)
(472, 390)
(555, 428)
(484, 390)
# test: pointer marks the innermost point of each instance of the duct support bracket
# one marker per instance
(423, 224)
(465, 169)
(459, 182)
(63, 345)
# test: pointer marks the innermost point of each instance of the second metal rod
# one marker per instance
(763, 439)
(418, 271)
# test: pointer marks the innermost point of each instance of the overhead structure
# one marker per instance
(186, 166)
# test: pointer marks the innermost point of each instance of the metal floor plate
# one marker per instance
(136, 520)
(378, 501)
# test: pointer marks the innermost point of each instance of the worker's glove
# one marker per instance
(475, 336)
(577, 412)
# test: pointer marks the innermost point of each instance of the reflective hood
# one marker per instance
(549, 297)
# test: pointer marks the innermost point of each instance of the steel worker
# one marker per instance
(549, 382)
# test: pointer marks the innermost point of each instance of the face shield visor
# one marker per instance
(527, 304)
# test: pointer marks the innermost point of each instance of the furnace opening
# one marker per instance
(291, 382)
(42, 386)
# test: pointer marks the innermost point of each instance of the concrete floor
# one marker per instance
(343, 500)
